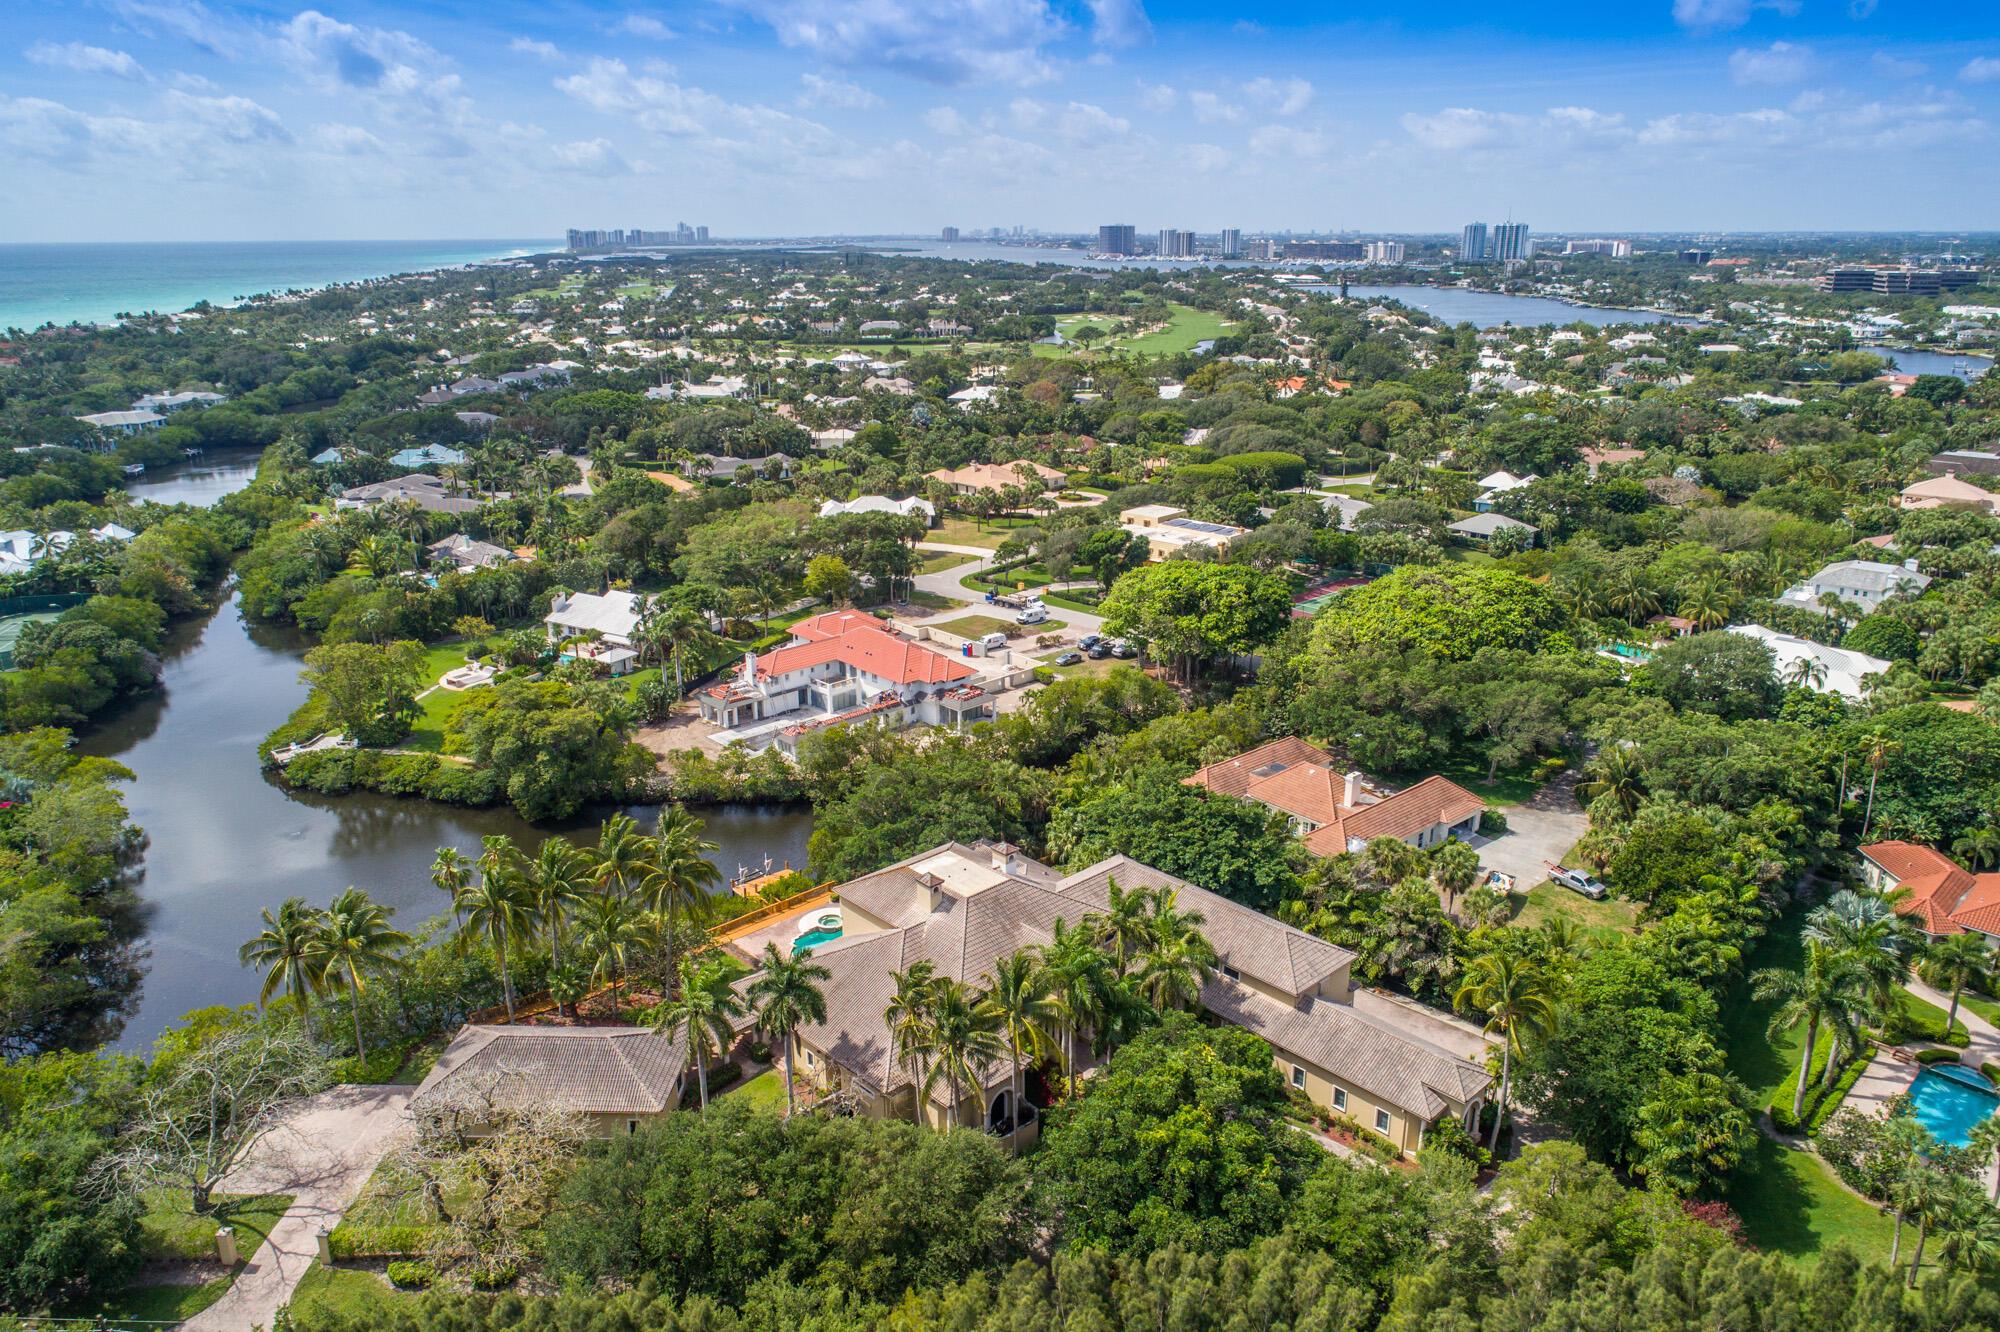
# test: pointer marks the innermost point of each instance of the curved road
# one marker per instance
(944, 583)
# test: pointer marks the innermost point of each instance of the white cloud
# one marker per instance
(338, 140)
(837, 94)
(1985, 69)
(542, 50)
(963, 42)
(1777, 64)
(188, 20)
(947, 121)
(748, 135)
(410, 85)
(1724, 15)
(643, 25)
(589, 157)
(1286, 141)
(1119, 22)
(1284, 97)
(1076, 122)
(1158, 98)
(85, 59)
(1207, 156)
(1209, 108)
(229, 119)
(1897, 67)
(1457, 128)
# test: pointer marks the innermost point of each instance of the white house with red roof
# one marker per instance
(841, 667)
(1939, 894)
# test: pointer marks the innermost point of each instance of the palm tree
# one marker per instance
(1633, 599)
(1017, 990)
(1969, 1230)
(912, 1031)
(494, 906)
(356, 939)
(680, 876)
(1705, 602)
(1984, 1142)
(966, 1036)
(1121, 926)
(1876, 746)
(1926, 1194)
(1868, 931)
(1904, 1143)
(608, 928)
(286, 949)
(788, 996)
(1080, 979)
(1618, 772)
(623, 856)
(1806, 673)
(555, 881)
(450, 871)
(701, 1013)
(1955, 963)
(1178, 959)
(1978, 845)
(1826, 990)
(1515, 998)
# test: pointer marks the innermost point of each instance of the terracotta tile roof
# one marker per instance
(1979, 908)
(866, 649)
(1233, 776)
(1933, 885)
(1408, 812)
(1307, 790)
(832, 624)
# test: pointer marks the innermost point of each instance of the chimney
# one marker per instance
(559, 603)
(1350, 794)
(1910, 564)
(933, 888)
(1007, 858)
(750, 667)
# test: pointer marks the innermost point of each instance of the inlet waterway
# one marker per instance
(224, 840)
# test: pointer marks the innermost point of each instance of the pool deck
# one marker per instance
(780, 930)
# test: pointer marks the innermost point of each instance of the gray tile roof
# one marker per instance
(592, 1070)
(1358, 1048)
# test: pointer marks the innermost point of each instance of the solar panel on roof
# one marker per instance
(1196, 525)
(1269, 770)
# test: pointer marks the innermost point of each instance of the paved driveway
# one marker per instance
(945, 583)
(1538, 831)
(321, 1154)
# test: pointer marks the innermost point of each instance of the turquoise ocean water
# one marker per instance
(93, 283)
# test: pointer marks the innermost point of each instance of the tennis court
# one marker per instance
(10, 633)
(1315, 599)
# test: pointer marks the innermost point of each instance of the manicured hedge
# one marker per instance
(1937, 1056)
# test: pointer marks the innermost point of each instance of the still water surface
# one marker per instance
(225, 841)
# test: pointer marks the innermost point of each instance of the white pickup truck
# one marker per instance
(1577, 881)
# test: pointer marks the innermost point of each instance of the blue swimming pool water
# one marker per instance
(805, 942)
(1949, 1100)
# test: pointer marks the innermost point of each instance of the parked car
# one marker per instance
(1068, 658)
(1122, 649)
(1034, 614)
(1089, 641)
(1577, 881)
(1098, 651)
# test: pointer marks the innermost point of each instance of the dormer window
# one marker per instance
(1231, 972)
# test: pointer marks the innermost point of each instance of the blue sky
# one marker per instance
(173, 119)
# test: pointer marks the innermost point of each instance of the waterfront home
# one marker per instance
(427, 492)
(1167, 529)
(914, 506)
(604, 625)
(1864, 583)
(465, 553)
(975, 477)
(1839, 670)
(1935, 891)
(616, 1078)
(839, 668)
(1331, 812)
(1392, 1066)
(124, 423)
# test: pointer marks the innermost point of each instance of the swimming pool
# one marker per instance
(1948, 1100)
(817, 929)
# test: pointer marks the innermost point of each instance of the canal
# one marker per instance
(224, 841)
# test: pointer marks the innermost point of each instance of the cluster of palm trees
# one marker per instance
(1102, 980)
(598, 911)
(308, 951)
(1858, 953)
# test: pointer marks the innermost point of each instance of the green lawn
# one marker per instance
(1182, 331)
(1548, 900)
(978, 626)
(151, 1304)
(359, 1295)
(1508, 788)
(934, 561)
(766, 1091)
(170, 1229)
(932, 601)
(1791, 1203)
(1983, 1006)
(969, 532)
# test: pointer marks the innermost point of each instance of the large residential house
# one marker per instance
(1948, 492)
(915, 505)
(842, 667)
(169, 403)
(617, 1078)
(975, 477)
(597, 628)
(1836, 670)
(1865, 583)
(724, 468)
(124, 423)
(1495, 484)
(1938, 894)
(427, 492)
(1168, 530)
(430, 455)
(1391, 1065)
(1332, 812)
(466, 553)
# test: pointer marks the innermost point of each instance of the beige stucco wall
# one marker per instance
(1405, 1128)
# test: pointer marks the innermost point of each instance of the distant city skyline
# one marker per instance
(247, 119)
